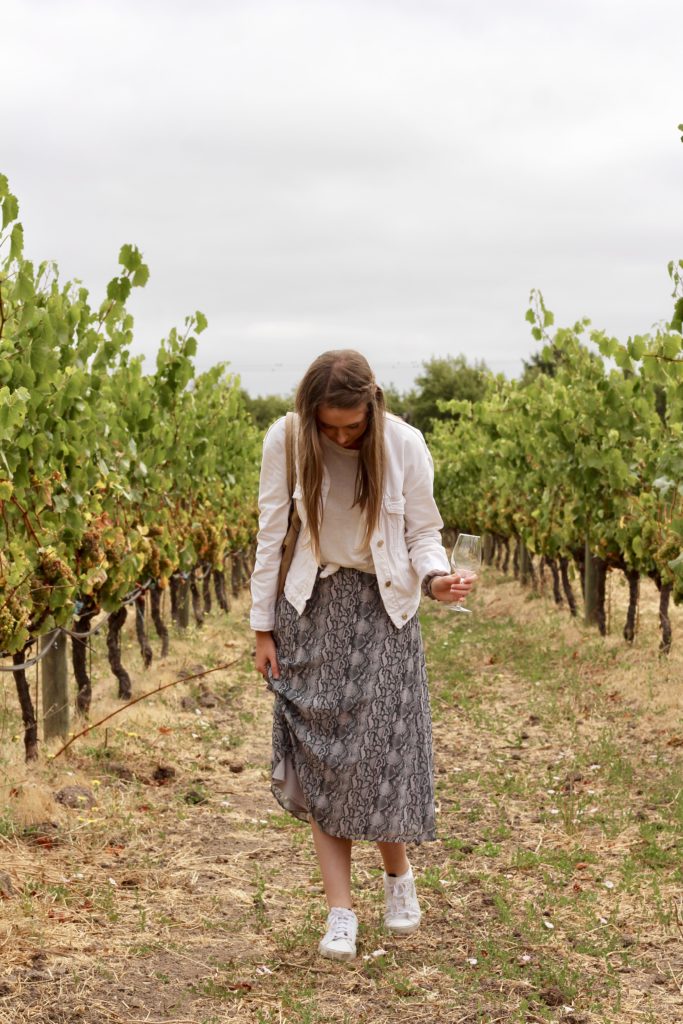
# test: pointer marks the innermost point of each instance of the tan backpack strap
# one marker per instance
(294, 523)
(290, 451)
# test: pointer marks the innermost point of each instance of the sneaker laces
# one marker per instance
(340, 922)
(402, 897)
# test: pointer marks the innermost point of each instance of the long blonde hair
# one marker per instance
(341, 379)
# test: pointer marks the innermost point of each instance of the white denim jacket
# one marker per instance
(405, 547)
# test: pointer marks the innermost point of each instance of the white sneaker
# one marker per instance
(402, 913)
(339, 942)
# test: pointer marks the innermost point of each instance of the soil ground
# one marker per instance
(184, 894)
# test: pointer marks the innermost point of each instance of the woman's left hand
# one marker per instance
(453, 588)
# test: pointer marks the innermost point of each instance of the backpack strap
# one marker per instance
(290, 450)
(294, 523)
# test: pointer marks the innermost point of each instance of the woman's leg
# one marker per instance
(402, 909)
(334, 857)
(394, 858)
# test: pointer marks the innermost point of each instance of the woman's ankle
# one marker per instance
(397, 869)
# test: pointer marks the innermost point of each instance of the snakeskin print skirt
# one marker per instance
(352, 734)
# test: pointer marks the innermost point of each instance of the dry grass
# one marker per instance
(194, 899)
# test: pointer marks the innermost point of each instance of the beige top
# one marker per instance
(342, 527)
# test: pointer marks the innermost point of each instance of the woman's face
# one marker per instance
(343, 426)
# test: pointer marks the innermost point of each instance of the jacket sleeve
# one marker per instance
(422, 520)
(273, 503)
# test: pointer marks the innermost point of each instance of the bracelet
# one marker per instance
(427, 583)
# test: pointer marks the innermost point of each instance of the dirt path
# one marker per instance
(183, 894)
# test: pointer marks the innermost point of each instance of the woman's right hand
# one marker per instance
(266, 654)
(454, 588)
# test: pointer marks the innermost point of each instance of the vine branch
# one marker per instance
(144, 696)
(27, 521)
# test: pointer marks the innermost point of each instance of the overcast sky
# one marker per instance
(389, 175)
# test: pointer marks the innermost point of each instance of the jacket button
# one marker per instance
(405, 615)
(387, 583)
(380, 543)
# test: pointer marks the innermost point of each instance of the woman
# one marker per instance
(341, 649)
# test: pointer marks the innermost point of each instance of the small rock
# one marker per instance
(236, 768)
(553, 996)
(188, 704)
(120, 771)
(76, 796)
(628, 939)
(195, 796)
(6, 887)
(207, 699)
(163, 774)
(240, 986)
(43, 833)
(190, 670)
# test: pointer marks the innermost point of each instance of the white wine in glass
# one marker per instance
(465, 562)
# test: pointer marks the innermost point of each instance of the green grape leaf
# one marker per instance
(141, 276)
(10, 209)
(16, 245)
(671, 345)
(202, 322)
(23, 288)
(119, 289)
(636, 347)
(130, 257)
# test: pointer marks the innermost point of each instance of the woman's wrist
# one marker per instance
(427, 583)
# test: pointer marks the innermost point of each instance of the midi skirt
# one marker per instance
(352, 733)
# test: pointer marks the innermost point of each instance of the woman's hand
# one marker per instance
(266, 654)
(453, 588)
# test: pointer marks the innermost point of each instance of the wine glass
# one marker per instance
(466, 562)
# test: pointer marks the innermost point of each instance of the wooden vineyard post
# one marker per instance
(590, 587)
(55, 687)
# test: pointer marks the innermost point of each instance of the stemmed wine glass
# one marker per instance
(466, 562)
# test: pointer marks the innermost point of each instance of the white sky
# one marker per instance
(390, 176)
